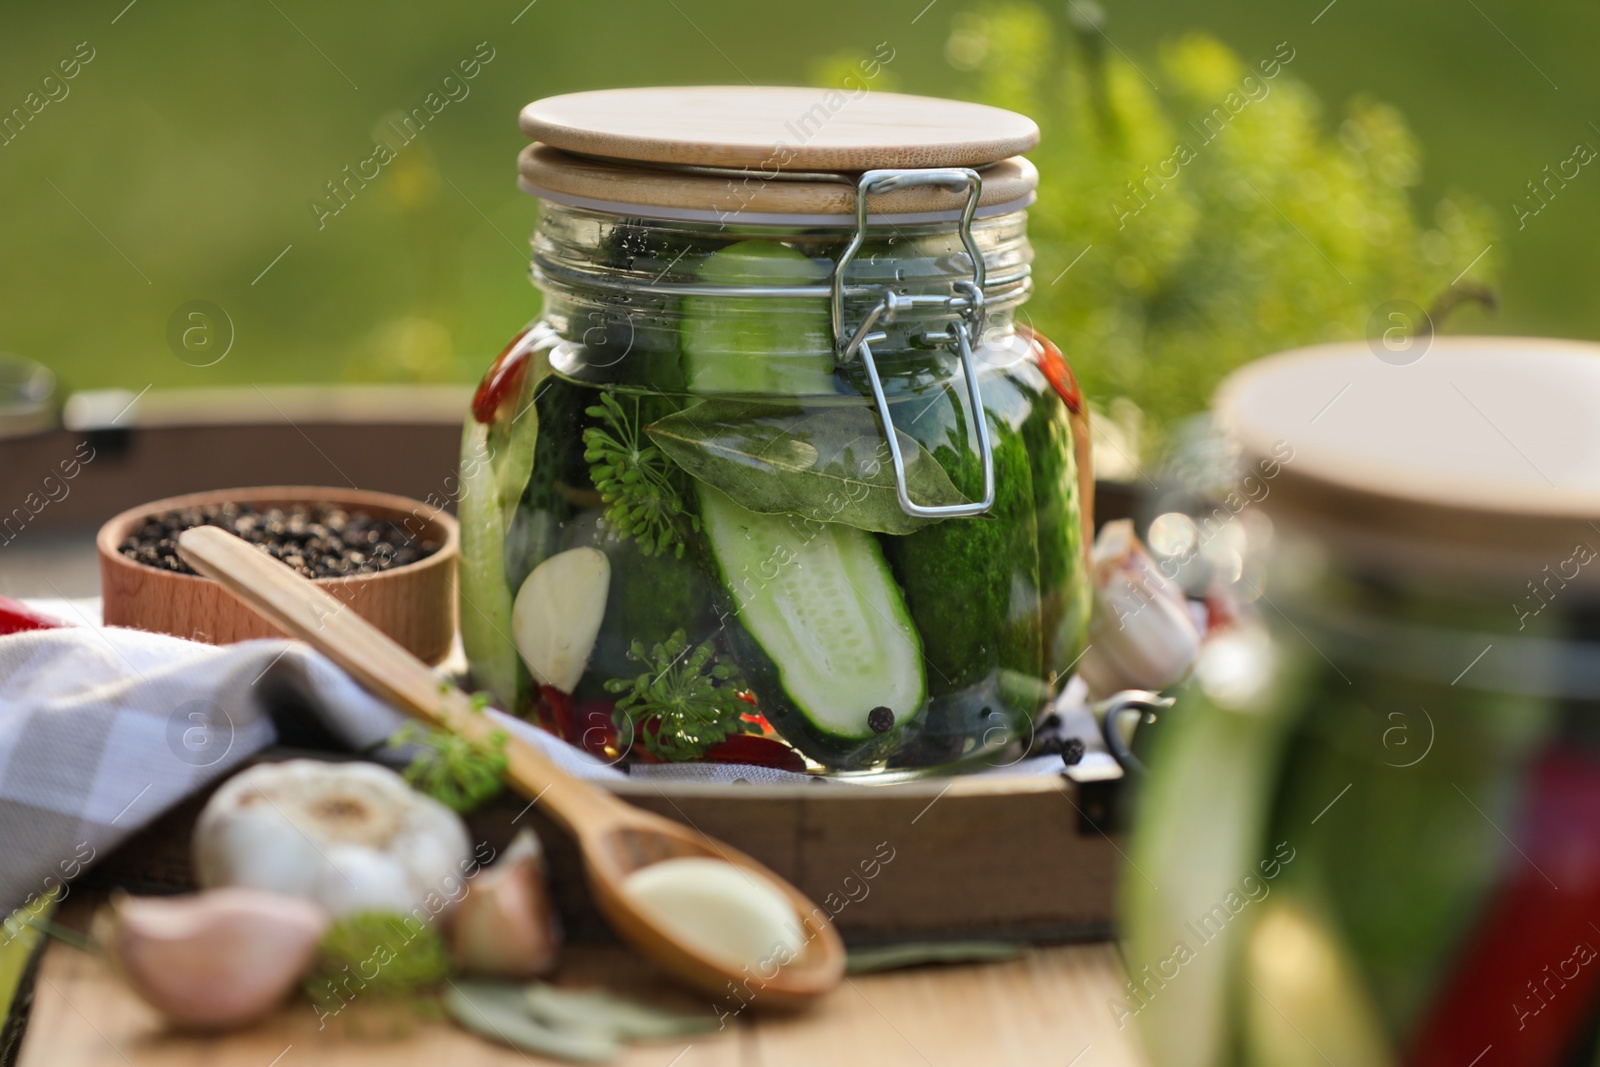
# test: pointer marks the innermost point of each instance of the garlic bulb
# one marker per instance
(1141, 635)
(507, 926)
(557, 615)
(214, 959)
(350, 836)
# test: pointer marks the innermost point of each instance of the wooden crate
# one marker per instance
(1030, 860)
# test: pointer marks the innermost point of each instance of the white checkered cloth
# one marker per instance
(102, 730)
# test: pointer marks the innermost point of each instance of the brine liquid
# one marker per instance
(1008, 613)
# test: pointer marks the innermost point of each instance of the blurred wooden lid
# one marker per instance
(1479, 445)
(583, 181)
(778, 127)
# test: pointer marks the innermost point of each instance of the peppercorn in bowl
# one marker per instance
(391, 559)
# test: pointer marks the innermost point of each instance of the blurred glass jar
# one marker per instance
(1371, 828)
(685, 532)
(27, 396)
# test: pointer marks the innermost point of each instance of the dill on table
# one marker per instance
(458, 772)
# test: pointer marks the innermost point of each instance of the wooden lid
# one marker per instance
(582, 181)
(1483, 444)
(775, 127)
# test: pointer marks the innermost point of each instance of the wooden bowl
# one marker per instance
(415, 604)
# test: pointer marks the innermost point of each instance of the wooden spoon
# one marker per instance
(615, 837)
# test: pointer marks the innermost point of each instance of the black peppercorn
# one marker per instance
(313, 539)
(1072, 751)
(881, 719)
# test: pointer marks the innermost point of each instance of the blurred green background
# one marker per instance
(182, 162)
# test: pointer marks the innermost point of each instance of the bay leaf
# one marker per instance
(618, 1016)
(920, 953)
(829, 463)
(499, 1012)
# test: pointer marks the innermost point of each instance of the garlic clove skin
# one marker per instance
(1141, 635)
(506, 926)
(350, 837)
(211, 960)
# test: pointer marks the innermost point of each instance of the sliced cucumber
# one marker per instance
(1197, 832)
(485, 597)
(830, 632)
(534, 530)
(772, 346)
(514, 433)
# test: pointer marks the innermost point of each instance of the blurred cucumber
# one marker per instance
(1201, 825)
(1304, 1004)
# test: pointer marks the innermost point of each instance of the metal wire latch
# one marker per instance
(965, 304)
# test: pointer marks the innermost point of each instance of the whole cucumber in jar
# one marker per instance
(973, 584)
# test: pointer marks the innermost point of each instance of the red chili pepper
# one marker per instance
(555, 711)
(502, 378)
(1055, 367)
(759, 721)
(1526, 982)
(1058, 372)
(16, 617)
(759, 751)
(586, 724)
(597, 732)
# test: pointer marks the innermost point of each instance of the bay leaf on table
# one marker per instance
(828, 463)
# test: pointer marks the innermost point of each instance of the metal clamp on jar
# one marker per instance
(774, 478)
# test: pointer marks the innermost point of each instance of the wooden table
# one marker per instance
(1047, 1008)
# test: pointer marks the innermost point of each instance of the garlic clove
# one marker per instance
(721, 910)
(557, 614)
(506, 925)
(350, 836)
(1141, 635)
(215, 959)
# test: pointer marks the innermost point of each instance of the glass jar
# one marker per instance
(1370, 832)
(686, 532)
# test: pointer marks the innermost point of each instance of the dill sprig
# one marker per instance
(635, 479)
(388, 957)
(690, 697)
(457, 772)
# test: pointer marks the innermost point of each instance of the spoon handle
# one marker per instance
(384, 668)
